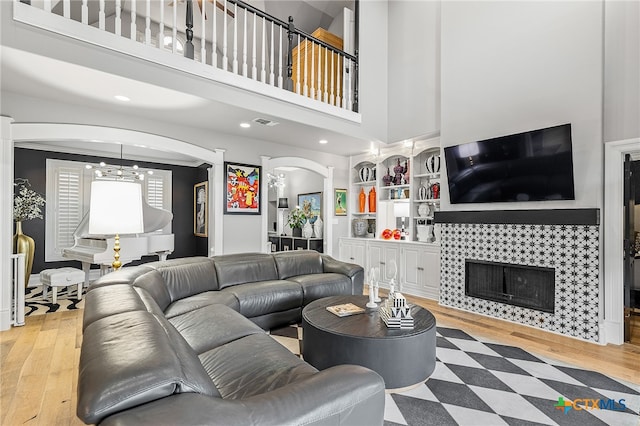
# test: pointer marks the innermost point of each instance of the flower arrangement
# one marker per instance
(296, 218)
(27, 203)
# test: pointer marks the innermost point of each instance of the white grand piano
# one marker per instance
(92, 249)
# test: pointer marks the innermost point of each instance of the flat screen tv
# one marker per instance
(531, 166)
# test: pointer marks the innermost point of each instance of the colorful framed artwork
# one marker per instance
(242, 188)
(311, 205)
(340, 197)
(201, 209)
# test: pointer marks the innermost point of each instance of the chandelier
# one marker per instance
(106, 171)
(276, 181)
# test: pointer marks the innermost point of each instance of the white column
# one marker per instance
(328, 213)
(6, 220)
(264, 203)
(216, 213)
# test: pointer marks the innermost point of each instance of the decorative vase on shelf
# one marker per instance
(362, 199)
(307, 230)
(435, 191)
(406, 171)
(437, 233)
(423, 192)
(317, 228)
(24, 244)
(398, 170)
(386, 179)
(366, 174)
(296, 232)
(433, 163)
(372, 200)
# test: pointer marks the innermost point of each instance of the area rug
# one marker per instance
(478, 383)
(35, 304)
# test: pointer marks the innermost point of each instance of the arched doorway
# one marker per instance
(12, 132)
(327, 174)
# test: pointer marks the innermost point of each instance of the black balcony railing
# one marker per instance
(232, 36)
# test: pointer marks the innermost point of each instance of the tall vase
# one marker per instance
(362, 200)
(372, 200)
(24, 244)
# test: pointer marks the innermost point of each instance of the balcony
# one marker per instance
(228, 42)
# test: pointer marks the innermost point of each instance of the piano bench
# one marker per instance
(61, 277)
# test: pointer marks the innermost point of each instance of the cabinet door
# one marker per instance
(421, 271)
(376, 260)
(412, 270)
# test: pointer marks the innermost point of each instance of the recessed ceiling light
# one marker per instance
(245, 125)
(323, 141)
(122, 98)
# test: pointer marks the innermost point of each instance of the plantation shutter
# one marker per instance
(65, 206)
(155, 192)
(69, 207)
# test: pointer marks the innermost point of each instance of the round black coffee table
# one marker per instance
(403, 357)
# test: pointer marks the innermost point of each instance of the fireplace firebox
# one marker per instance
(519, 285)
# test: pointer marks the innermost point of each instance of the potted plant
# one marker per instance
(295, 220)
(27, 205)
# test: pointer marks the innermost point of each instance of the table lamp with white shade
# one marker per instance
(401, 210)
(115, 208)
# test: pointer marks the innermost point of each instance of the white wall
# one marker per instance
(509, 67)
(241, 232)
(373, 48)
(414, 69)
(622, 70)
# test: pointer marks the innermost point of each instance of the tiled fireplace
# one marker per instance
(564, 243)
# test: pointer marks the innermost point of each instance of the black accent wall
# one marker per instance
(31, 164)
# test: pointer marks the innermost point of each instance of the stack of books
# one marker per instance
(395, 312)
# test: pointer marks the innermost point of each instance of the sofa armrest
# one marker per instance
(341, 395)
(351, 270)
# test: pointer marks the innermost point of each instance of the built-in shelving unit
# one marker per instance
(397, 174)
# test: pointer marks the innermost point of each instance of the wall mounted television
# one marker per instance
(531, 166)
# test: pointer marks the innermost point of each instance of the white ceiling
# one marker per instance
(21, 73)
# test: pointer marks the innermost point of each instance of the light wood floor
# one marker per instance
(39, 362)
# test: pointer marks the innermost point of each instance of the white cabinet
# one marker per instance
(384, 255)
(417, 265)
(353, 250)
(420, 270)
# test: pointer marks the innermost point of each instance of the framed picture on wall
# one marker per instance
(201, 209)
(340, 197)
(311, 205)
(242, 188)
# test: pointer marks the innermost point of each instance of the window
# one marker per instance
(68, 195)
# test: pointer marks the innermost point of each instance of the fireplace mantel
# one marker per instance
(522, 217)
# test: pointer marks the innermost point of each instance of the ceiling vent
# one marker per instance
(265, 122)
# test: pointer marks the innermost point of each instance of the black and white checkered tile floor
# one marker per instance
(483, 383)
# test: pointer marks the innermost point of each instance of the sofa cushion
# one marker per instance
(243, 268)
(297, 262)
(131, 358)
(253, 365)
(317, 286)
(186, 277)
(212, 326)
(182, 306)
(266, 297)
(111, 300)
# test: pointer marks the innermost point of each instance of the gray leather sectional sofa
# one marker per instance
(182, 342)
